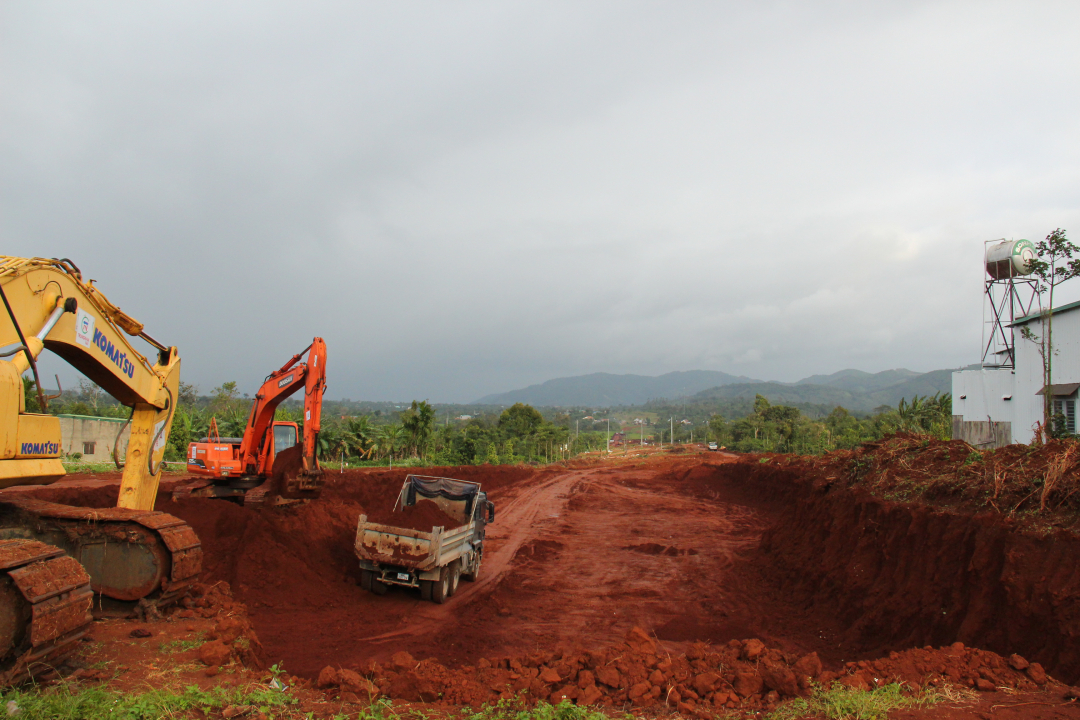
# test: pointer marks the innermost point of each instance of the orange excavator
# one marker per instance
(270, 463)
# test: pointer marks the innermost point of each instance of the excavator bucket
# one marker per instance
(290, 480)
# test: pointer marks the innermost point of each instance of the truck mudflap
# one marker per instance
(45, 601)
(129, 554)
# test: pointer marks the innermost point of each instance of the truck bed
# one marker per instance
(412, 549)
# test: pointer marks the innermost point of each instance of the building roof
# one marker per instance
(93, 417)
(1035, 316)
(1064, 389)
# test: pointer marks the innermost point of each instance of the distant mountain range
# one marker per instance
(856, 390)
(605, 389)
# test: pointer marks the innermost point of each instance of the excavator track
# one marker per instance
(45, 600)
(130, 555)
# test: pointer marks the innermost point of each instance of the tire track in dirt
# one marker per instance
(518, 521)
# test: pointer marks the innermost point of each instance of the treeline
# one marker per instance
(419, 434)
(781, 428)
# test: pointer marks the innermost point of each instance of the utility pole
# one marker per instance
(672, 420)
(609, 434)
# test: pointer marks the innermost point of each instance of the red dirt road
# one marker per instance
(577, 557)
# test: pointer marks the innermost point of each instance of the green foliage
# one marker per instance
(30, 395)
(517, 709)
(841, 702)
(71, 701)
(520, 420)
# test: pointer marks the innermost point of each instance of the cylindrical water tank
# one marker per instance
(1009, 258)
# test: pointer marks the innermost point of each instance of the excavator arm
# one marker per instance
(279, 385)
(48, 305)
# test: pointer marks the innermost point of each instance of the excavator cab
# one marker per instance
(286, 435)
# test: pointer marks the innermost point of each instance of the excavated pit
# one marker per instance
(693, 549)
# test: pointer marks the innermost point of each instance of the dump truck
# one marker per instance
(432, 560)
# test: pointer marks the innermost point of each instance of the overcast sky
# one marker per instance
(465, 197)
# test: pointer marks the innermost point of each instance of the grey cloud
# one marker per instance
(472, 197)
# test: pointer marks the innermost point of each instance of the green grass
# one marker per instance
(76, 702)
(517, 710)
(178, 646)
(841, 702)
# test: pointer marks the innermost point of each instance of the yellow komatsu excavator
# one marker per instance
(54, 559)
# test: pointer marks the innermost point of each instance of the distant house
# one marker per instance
(93, 437)
(463, 417)
(618, 438)
(686, 422)
(587, 417)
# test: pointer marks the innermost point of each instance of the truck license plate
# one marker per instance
(403, 576)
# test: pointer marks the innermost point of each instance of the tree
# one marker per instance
(1054, 266)
(417, 422)
(30, 395)
(716, 427)
(90, 393)
(520, 420)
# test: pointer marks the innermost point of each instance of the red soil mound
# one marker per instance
(704, 681)
(424, 515)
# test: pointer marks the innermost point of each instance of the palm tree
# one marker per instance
(390, 439)
(417, 422)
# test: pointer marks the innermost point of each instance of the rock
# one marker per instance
(705, 682)
(236, 711)
(585, 678)
(214, 652)
(685, 708)
(483, 663)
(956, 649)
(349, 697)
(984, 685)
(778, 677)
(752, 649)
(609, 676)
(590, 695)
(657, 678)
(212, 671)
(640, 640)
(1071, 694)
(549, 676)
(328, 677)
(1036, 673)
(747, 683)
(355, 682)
(228, 629)
(403, 661)
(856, 681)
(140, 633)
(1017, 662)
(807, 666)
(428, 693)
(639, 690)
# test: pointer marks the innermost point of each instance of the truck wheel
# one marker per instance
(440, 591)
(455, 577)
(471, 577)
(378, 588)
(425, 589)
(367, 580)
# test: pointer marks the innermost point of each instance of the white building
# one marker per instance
(93, 437)
(995, 406)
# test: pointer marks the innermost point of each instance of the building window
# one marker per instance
(88, 448)
(1066, 408)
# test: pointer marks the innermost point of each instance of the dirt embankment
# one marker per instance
(906, 574)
